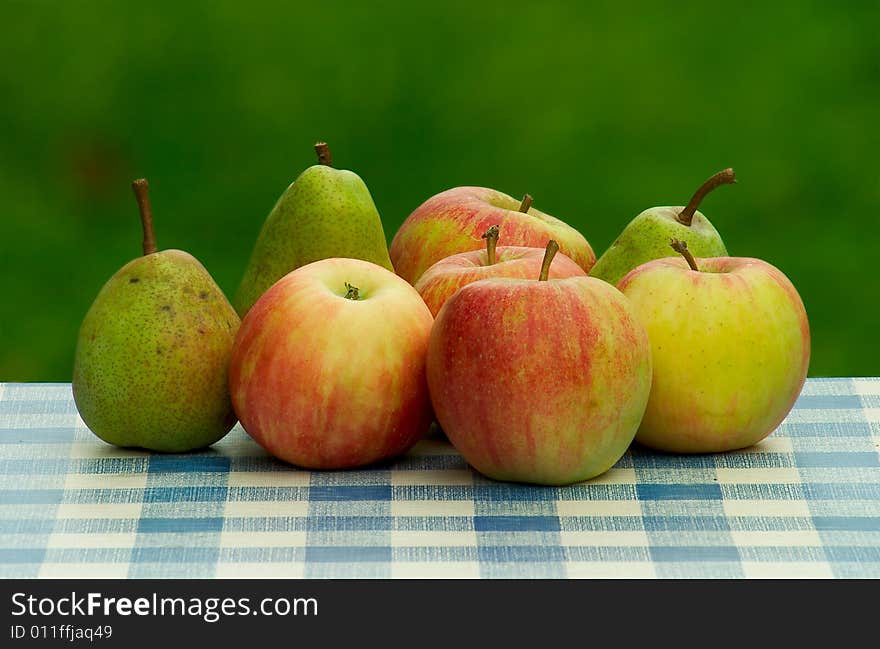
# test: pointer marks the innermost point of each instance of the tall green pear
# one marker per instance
(324, 213)
(150, 367)
(647, 236)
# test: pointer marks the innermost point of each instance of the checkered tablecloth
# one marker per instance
(805, 502)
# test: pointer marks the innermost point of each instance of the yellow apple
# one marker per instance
(730, 343)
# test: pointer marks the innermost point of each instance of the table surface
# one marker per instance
(803, 503)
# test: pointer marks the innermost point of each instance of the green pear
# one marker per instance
(647, 236)
(150, 367)
(324, 213)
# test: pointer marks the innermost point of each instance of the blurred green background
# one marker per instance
(598, 111)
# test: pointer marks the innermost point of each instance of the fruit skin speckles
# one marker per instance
(139, 382)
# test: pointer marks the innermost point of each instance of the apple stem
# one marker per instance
(725, 177)
(491, 237)
(549, 253)
(681, 247)
(323, 151)
(351, 292)
(526, 204)
(142, 193)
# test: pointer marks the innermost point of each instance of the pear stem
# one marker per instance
(549, 253)
(351, 292)
(142, 193)
(323, 151)
(491, 237)
(681, 247)
(526, 204)
(725, 177)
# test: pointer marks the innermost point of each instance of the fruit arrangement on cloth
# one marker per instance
(540, 363)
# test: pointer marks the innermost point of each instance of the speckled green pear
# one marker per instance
(647, 236)
(324, 213)
(151, 361)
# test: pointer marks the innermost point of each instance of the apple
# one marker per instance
(731, 347)
(540, 381)
(454, 221)
(451, 273)
(328, 368)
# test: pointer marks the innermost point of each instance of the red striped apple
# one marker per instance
(541, 381)
(451, 273)
(455, 220)
(731, 347)
(328, 367)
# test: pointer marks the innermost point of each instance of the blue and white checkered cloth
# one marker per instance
(805, 502)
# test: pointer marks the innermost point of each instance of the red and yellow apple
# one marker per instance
(451, 273)
(328, 367)
(731, 347)
(539, 381)
(455, 220)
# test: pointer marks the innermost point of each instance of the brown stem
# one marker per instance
(351, 292)
(491, 237)
(725, 177)
(142, 193)
(323, 151)
(681, 247)
(549, 253)
(526, 204)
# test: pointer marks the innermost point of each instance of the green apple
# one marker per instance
(328, 368)
(731, 347)
(542, 380)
